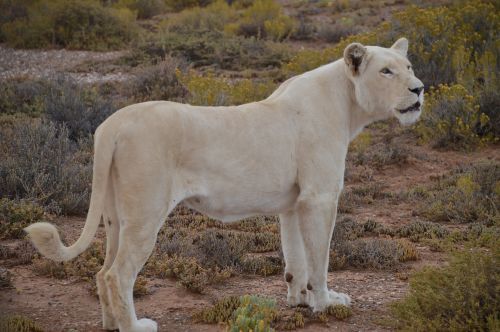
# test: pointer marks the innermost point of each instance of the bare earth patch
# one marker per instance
(36, 64)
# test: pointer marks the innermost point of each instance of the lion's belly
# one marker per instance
(236, 205)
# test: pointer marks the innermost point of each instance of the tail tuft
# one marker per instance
(46, 239)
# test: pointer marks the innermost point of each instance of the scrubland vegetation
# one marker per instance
(231, 52)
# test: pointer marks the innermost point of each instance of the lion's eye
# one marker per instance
(386, 71)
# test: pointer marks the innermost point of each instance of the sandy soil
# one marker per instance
(36, 64)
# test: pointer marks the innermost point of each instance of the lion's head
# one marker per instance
(384, 81)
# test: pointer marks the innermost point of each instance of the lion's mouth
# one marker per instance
(413, 108)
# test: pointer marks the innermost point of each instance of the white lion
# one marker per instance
(283, 155)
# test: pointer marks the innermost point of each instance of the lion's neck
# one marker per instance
(358, 118)
(329, 94)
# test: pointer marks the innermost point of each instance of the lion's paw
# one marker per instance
(145, 325)
(323, 300)
(300, 300)
(339, 298)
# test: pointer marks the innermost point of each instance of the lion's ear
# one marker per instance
(401, 46)
(354, 55)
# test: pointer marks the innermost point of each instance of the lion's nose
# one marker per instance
(417, 90)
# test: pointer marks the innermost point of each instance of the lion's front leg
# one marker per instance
(316, 220)
(295, 259)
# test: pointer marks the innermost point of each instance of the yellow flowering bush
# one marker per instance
(455, 49)
(452, 118)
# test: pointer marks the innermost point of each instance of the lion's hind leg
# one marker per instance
(112, 227)
(136, 244)
(141, 216)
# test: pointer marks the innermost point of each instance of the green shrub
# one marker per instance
(209, 90)
(75, 24)
(265, 19)
(463, 296)
(41, 164)
(254, 314)
(16, 215)
(468, 194)
(18, 323)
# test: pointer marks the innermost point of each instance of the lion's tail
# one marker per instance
(45, 236)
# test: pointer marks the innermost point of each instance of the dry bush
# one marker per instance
(80, 109)
(21, 254)
(189, 273)
(381, 155)
(18, 323)
(181, 4)
(5, 278)
(362, 194)
(350, 249)
(214, 49)
(220, 248)
(16, 215)
(41, 164)
(220, 312)
(157, 82)
(370, 253)
(334, 32)
(262, 265)
(144, 8)
(22, 96)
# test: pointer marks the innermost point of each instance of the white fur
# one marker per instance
(284, 155)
